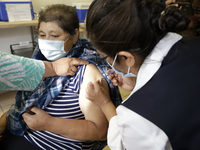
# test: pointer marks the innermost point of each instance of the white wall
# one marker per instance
(37, 4)
(10, 36)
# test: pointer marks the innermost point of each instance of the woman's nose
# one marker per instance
(47, 37)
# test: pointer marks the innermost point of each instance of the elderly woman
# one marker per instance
(57, 114)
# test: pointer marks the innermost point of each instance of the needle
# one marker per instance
(107, 75)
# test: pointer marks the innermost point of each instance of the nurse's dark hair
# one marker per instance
(131, 25)
(65, 16)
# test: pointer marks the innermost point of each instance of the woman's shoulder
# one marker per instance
(85, 74)
(92, 72)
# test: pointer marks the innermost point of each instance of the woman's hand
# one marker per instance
(67, 65)
(127, 83)
(37, 119)
(62, 67)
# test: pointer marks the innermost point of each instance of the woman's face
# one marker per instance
(51, 31)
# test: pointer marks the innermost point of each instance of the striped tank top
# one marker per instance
(66, 105)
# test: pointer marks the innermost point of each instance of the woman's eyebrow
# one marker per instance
(41, 31)
(55, 32)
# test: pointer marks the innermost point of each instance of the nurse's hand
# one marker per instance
(37, 119)
(127, 83)
(96, 92)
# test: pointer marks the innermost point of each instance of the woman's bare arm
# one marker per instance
(93, 112)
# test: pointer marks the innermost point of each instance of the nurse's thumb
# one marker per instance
(89, 88)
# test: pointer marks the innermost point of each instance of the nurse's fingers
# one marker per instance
(109, 71)
(93, 88)
(89, 91)
(111, 76)
(115, 82)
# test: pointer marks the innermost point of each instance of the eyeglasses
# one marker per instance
(104, 58)
(113, 61)
(100, 58)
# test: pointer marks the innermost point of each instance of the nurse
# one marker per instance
(20, 73)
(160, 67)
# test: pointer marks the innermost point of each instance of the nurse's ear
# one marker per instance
(76, 36)
(128, 58)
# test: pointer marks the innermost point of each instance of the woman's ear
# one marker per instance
(128, 58)
(76, 36)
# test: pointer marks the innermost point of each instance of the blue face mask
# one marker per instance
(128, 74)
(52, 49)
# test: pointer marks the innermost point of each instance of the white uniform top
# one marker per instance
(128, 130)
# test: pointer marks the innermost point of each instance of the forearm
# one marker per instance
(83, 130)
(49, 70)
(109, 110)
(19, 73)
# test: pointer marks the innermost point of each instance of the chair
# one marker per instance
(23, 49)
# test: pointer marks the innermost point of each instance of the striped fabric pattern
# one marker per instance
(19, 72)
(66, 105)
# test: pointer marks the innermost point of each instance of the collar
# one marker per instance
(154, 60)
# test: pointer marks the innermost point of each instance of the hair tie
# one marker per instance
(104, 4)
(162, 14)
